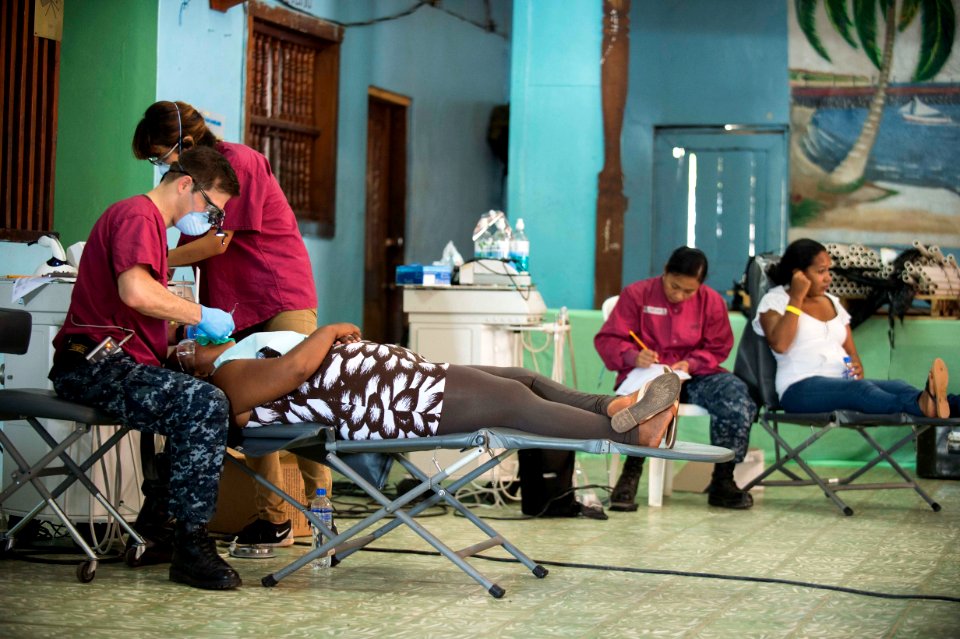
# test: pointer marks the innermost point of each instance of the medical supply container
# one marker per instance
(424, 275)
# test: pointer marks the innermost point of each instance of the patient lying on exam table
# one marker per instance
(382, 391)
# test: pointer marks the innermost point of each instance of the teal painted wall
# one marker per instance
(556, 143)
(108, 70)
(695, 62)
(454, 73)
(691, 62)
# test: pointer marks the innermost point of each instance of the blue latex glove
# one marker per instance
(214, 323)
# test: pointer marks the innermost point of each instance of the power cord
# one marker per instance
(686, 573)
(523, 291)
(489, 26)
(576, 509)
(49, 535)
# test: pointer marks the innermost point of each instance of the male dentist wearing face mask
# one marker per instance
(194, 223)
(109, 351)
(258, 264)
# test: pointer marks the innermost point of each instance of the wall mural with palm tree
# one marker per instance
(875, 121)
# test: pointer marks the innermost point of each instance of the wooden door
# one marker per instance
(386, 216)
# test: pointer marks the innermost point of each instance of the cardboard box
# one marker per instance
(694, 477)
(236, 505)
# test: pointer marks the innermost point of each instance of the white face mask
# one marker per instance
(195, 223)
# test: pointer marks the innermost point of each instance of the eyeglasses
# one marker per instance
(215, 214)
(159, 161)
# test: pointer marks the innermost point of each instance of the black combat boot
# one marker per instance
(196, 562)
(624, 495)
(723, 491)
(154, 522)
(156, 527)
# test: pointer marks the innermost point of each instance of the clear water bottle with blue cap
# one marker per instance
(520, 247)
(501, 239)
(323, 509)
(848, 368)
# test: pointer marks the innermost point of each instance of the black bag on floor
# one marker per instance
(546, 483)
(938, 453)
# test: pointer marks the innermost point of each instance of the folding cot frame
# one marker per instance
(318, 442)
(32, 405)
(823, 423)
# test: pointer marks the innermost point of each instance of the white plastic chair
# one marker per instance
(659, 471)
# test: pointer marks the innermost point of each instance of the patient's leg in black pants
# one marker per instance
(489, 396)
(543, 386)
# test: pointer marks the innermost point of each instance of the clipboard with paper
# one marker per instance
(639, 377)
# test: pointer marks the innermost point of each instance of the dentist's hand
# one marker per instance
(214, 323)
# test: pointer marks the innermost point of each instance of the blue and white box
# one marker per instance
(424, 275)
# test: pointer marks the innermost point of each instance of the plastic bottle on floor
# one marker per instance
(323, 509)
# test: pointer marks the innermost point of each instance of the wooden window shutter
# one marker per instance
(28, 121)
(291, 108)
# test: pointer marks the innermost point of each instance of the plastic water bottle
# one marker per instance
(585, 496)
(482, 235)
(520, 248)
(848, 368)
(323, 509)
(501, 240)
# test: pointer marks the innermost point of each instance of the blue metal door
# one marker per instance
(722, 190)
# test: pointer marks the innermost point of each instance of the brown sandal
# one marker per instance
(662, 427)
(658, 395)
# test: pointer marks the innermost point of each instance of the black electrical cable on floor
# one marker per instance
(685, 573)
(34, 555)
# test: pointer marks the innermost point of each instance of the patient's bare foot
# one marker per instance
(933, 399)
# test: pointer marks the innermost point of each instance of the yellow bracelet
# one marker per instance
(793, 309)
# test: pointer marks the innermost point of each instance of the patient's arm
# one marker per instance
(251, 382)
(779, 330)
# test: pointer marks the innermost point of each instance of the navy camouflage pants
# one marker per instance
(190, 413)
(725, 397)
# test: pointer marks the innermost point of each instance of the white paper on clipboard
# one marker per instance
(636, 379)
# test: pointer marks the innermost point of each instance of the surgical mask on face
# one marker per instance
(195, 223)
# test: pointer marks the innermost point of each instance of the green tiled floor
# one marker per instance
(894, 544)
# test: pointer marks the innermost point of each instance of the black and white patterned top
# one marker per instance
(367, 390)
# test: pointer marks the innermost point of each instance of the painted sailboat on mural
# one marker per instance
(918, 112)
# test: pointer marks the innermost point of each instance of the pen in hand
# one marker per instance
(639, 341)
(644, 346)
